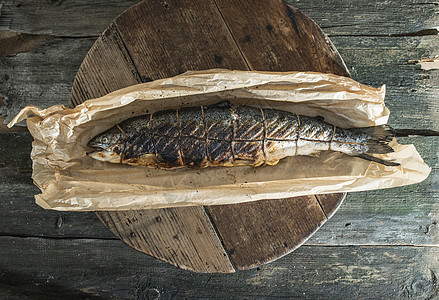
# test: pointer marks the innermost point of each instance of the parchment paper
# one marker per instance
(70, 180)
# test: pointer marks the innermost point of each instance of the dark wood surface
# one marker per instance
(154, 40)
(379, 245)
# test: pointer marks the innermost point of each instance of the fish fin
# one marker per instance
(415, 132)
(378, 160)
(379, 138)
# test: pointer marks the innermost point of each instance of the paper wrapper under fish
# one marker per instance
(71, 180)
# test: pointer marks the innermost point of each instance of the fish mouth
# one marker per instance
(88, 153)
(105, 155)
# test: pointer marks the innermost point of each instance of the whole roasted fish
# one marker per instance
(223, 135)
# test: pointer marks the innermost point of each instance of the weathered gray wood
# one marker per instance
(411, 91)
(108, 269)
(336, 17)
(59, 17)
(20, 216)
(42, 77)
(366, 18)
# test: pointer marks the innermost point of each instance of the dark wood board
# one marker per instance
(159, 39)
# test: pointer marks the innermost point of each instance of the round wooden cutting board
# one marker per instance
(158, 39)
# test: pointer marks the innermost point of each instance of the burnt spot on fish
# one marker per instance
(118, 149)
(219, 152)
(168, 149)
(248, 150)
(164, 123)
(280, 125)
(191, 122)
(249, 124)
(271, 147)
(219, 123)
(193, 151)
(139, 145)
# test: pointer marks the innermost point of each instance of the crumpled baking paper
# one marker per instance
(70, 180)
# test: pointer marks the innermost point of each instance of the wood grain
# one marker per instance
(161, 39)
(183, 237)
(280, 38)
(260, 232)
(115, 62)
(329, 203)
(167, 38)
(337, 17)
(108, 269)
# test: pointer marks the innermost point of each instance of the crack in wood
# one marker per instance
(246, 61)
(423, 32)
(226, 251)
(22, 236)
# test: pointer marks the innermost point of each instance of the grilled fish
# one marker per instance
(223, 135)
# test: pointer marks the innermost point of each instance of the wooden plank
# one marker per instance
(260, 232)
(183, 237)
(329, 203)
(164, 38)
(107, 269)
(60, 18)
(400, 216)
(20, 216)
(19, 156)
(115, 62)
(347, 17)
(336, 17)
(42, 77)
(280, 38)
(34, 78)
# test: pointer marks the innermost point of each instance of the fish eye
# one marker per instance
(105, 140)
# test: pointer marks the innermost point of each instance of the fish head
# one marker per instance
(107, 145)
(107, 139)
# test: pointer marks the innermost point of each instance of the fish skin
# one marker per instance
(223, 135)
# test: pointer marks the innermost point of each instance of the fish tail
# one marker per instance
(378, 138)
(377, 142)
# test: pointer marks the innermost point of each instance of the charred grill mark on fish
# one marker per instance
(223, 135)
(249, 124)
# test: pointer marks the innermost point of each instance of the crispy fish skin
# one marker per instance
(222, 135)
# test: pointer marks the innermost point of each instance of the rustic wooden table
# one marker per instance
(380, 244)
